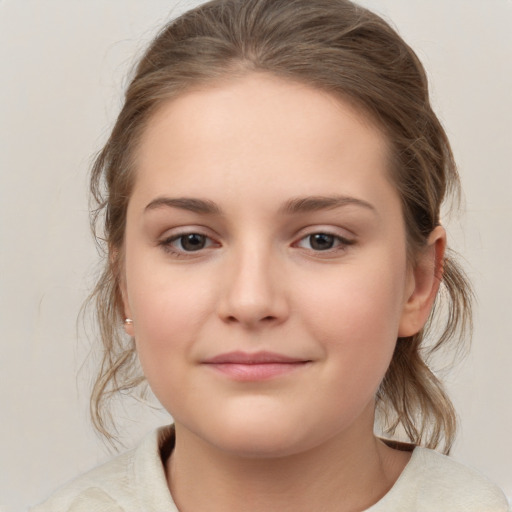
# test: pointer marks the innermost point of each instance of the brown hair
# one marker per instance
(336, 46)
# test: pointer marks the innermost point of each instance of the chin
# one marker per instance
(262, 436)
(244, 433)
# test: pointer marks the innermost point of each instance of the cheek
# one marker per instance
(356, 315)
(168, 315)
(164, 331)
(169, 310)
(357, 298)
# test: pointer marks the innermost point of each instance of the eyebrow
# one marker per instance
(316, 203)
(185, 203)
(293, 206)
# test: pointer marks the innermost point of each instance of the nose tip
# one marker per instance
(253, 296)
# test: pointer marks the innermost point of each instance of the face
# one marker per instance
(265, 265)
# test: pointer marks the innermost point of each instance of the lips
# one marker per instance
(256, 358)
(243, 366)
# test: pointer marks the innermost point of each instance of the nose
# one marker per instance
(253, 290)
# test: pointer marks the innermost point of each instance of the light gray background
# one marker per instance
(62, 68)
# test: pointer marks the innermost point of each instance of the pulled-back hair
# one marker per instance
(335, 46)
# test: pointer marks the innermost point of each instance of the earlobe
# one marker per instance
(124, 306)
(128, 322)
(128, 326)
(423, 286)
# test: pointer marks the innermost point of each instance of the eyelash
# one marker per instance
(167, 244)
(341, 242)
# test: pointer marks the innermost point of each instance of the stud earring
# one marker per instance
(128, 321)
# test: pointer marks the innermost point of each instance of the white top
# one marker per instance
(136, 482)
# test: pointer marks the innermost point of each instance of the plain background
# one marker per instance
(63, 63)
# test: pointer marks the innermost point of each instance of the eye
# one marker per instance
(323, 242)
(186, 243)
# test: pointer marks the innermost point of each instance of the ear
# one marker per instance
(423, 284)
(127, 314)
(117, 269)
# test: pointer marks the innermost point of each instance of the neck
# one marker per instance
(350, 472)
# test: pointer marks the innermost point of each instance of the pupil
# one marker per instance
(322, 241)
(193, 242)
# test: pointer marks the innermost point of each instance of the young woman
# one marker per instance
(270, 196)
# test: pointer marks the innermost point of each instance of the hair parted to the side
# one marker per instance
(336, 46)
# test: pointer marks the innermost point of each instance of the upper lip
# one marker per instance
(264, 357)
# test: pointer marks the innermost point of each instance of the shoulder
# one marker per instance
(117, 486)
(106, 488)
(440, 483)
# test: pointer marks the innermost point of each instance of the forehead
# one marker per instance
(259, 129)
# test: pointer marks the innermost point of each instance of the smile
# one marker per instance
(246, 367)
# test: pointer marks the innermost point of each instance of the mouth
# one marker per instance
(259, 366)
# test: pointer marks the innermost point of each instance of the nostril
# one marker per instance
(266, 319)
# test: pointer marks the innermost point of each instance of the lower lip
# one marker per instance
(256, 372)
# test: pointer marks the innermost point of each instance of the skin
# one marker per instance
(250, 148)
